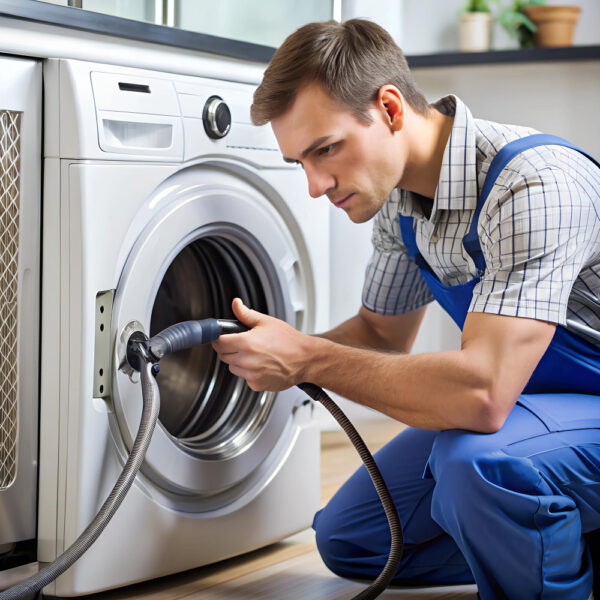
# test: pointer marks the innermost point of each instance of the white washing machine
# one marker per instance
(156, 210)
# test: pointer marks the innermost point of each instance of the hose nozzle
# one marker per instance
(177, 337)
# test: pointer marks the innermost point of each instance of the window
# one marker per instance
(267, 22)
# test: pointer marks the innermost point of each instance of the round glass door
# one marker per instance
(209, 237)
(210, 412)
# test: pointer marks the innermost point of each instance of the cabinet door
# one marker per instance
(20, 200)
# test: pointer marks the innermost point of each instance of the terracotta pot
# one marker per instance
(475, 31)
(555, 24)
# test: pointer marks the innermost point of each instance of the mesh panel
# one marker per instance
(9, 273)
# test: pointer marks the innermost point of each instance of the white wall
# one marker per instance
(554, 97)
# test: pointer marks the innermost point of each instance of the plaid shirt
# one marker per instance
(539, 229)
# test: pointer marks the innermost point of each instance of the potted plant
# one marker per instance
(475, 26)
(532, 23)
(555, 24)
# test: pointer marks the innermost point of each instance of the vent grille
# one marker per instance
(10, 123)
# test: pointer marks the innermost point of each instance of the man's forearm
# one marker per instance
(352, 332)
(473, 388)
(429, 391)
(368, 330)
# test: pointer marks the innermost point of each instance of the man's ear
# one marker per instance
(391, 102)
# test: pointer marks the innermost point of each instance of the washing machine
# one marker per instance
(161, 204)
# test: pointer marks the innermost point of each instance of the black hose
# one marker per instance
(47, 574)
(397, 541)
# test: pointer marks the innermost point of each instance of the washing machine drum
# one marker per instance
(210, 236)
(202, 404)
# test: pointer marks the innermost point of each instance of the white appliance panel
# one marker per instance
(20, 213)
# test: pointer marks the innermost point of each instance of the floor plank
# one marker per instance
(305, 577)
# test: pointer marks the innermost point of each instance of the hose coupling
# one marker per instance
(138, 352)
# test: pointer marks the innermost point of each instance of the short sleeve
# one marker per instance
(393, 283)
(536, 237)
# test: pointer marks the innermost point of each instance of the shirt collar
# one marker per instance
(457, 185)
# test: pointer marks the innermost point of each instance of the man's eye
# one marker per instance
(325, 150)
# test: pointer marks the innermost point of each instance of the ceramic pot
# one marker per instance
(475, 31)
(555, 24)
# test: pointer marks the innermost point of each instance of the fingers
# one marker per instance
(250, 318)
(241, 360)
(244, 367)
(234, 342)
(254, 380)
(239, 371)
(226, 357)
(229, 344)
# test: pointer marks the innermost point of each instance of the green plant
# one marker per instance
(515, 21)
(476, 6)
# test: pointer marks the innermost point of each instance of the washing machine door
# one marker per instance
(209, 235)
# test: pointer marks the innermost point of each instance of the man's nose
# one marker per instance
(319, 182)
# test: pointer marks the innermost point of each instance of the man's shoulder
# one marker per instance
(552, 161)
(490, 137)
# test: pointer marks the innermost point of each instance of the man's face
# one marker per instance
(354, 164)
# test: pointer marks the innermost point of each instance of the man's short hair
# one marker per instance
(350, 61)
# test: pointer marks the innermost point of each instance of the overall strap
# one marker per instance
(502, 158)
(410, 241)
(408, 235)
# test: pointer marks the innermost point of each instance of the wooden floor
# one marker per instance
(291, 569)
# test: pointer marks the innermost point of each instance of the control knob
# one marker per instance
(216, 117)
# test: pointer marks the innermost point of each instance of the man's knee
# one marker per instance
(352, 532)
(334, 546)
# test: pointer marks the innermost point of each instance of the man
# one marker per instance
(491, 484)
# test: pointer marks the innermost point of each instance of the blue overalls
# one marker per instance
(508, 509)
